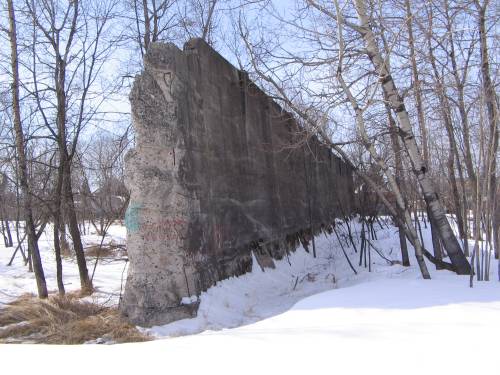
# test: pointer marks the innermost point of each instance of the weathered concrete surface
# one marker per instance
(213, 178)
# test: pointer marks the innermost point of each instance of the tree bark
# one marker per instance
(416, 84)
(421, 121)
(400, 181)
(491, 100)
(22, 163)
(147, 25)
(65, 160)
(460, 97)
(85, 282)
(391, 179)
(57, 224)
(389, 87)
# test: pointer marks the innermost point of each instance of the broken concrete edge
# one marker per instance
(210, 183)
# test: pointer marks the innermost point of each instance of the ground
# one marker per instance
(308, 315)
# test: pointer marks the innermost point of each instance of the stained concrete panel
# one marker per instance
(216, 173)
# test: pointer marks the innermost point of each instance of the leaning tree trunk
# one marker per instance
(419, 253)
(22, 164)
(460, 207)
(400, 181)
(436, 210)
(436, 245)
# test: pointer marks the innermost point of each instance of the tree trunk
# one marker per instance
(400, 181)
(416, 83)
(438, 253)
(62, 210)
(460, 98)
(85, 282)
(57, 224)
(419, 251)
(436, 210)
(6, 233)
(22, 164)
(65, 167)
(421, 122)
(147, 25)
(491, 100)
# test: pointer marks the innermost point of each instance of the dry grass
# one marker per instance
(104, 251)
(63, 320)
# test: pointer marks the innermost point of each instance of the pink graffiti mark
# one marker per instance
(172, 229)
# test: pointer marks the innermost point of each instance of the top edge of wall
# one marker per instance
(159, 51)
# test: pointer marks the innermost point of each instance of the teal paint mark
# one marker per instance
(132, 217)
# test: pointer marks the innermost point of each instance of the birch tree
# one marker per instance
(419, 168)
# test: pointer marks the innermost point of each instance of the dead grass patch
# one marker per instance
(102, 252)
(63, 320)
(106, 251)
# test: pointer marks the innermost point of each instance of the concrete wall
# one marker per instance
(215, 175)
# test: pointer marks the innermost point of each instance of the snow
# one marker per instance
(308, 315)
(189, 300)
(15, 280)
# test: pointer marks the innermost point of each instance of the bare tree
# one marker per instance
(154, 21)
(360, 122)
(23, 173)
(73, 40)
(303, 81)
(199, 19)
(491, 101)
(408, 138)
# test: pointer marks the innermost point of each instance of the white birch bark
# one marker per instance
(436, 210)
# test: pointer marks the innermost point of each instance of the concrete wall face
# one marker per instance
(213, 178)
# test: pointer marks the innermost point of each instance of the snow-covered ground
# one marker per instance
(309, 315)
(15, 280)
